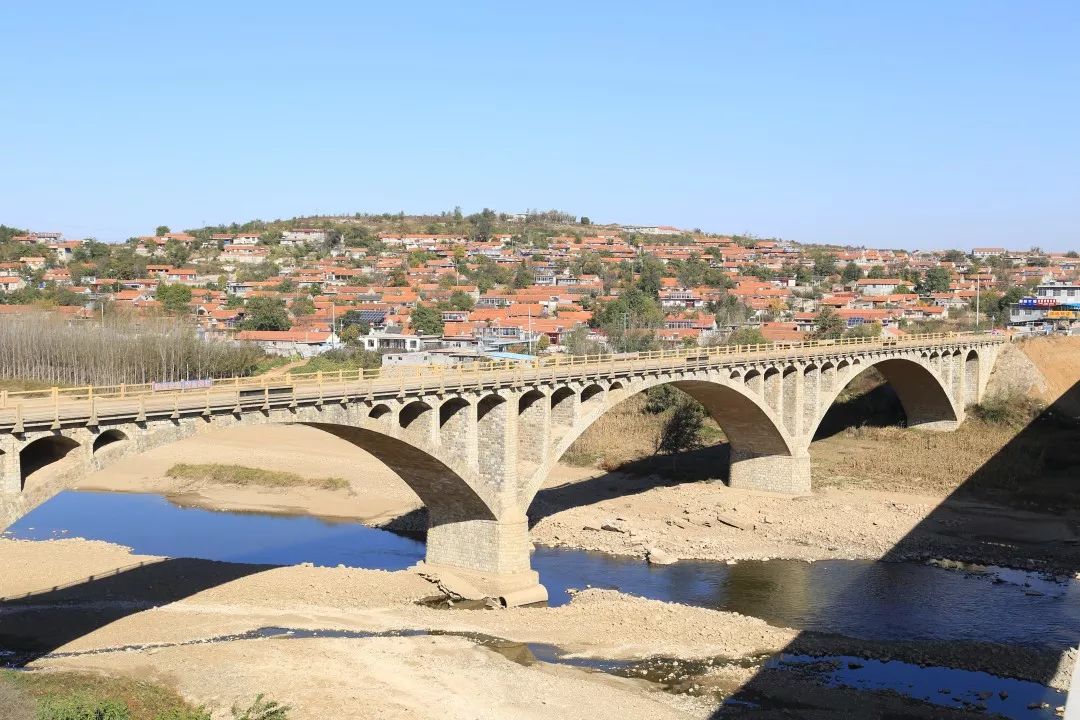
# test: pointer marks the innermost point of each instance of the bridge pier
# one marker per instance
(10, 467)
(774, 473)
(490, 555)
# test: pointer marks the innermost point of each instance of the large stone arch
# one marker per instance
(754, 431)
(923, 395)
(448, 486)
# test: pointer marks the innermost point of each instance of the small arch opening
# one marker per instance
(44, 451)
(590, 392)
(450, 408)
(529, 399)
(378, 412)
(560, 395)
(107, 438)
(412, 412)
(487, 404)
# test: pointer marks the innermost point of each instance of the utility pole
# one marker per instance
(333, 322)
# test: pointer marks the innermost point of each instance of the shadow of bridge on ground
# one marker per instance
(38, 623)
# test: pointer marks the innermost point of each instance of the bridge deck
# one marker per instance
(60, 406)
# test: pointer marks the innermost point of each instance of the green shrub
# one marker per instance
(261, 709)
(682, 430)
(661, 398)
(77, 707)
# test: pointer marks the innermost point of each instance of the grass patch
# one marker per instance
(577, 458)
(241, 475)
(271, 362)
(85, 696)
(23, 385)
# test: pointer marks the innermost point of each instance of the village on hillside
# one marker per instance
(452, 289)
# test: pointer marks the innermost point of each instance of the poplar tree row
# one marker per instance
(55, 349)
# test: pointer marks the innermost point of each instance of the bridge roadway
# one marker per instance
(476, 443)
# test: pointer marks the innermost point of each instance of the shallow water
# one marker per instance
(871, 600)
(936, 685)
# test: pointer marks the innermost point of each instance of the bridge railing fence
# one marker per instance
(452, 377)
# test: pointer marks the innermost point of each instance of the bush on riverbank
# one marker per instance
(241, 475)
(1011, 408)
(347, 359)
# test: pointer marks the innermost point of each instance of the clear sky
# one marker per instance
(902, 124)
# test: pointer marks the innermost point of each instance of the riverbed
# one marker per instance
(879, 602)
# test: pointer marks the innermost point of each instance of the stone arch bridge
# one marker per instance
(476, 443)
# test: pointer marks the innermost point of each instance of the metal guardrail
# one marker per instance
(75, 402)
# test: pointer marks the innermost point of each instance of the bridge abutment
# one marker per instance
(774, 473)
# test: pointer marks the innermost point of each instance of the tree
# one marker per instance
(161, 231)
(585, 220)
(176, 252)
(354, 322)
(630, 320)
(652, 272)
(461, 300)
(661, 398)
(303, 306)
(954, 256)
(265, 313)
(877, 272)
(1072, 254)
(865, 330)
(174, 299)
(683, 429)
(828, 325)
(577, 342)
(746, 336)
(484, 224)
(998, 307)
(851, 273)
(824, 264)
(936, 279)
(523, 278)
(426, 320)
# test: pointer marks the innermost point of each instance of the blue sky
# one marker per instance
(904, 124)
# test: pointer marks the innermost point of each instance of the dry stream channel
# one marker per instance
(917, 629)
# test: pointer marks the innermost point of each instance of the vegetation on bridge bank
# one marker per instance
(240, 475)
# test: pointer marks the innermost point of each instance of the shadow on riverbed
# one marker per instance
(38, 623)
(990, 518)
